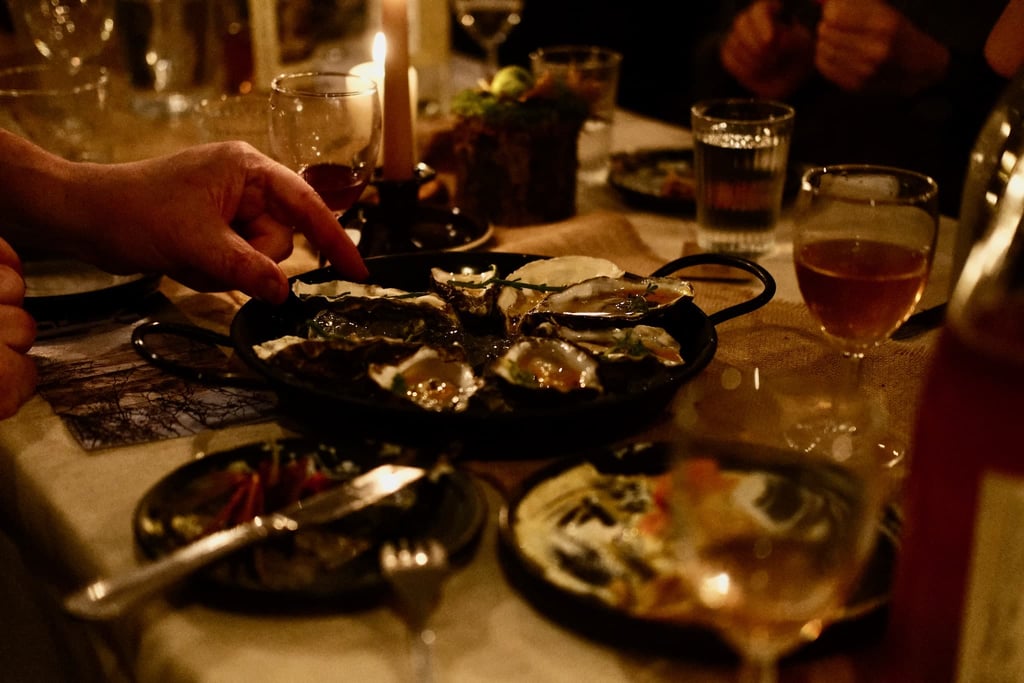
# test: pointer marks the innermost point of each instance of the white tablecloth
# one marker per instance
(75, 509)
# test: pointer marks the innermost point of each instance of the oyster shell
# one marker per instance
(469, 292)
(635, 343)
(429, 380)
(550, 364)
(336, 290)
(543, 276)
(329, 360)
(272, 347)
(417, 320)
(620, 300)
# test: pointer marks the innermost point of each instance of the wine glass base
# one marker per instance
(831, 433)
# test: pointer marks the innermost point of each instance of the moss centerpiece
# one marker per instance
(515, 148)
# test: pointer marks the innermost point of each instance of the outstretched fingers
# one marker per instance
(292, 201)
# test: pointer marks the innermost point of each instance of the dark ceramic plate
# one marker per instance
(655, 179)
(337, 562)
(59, 289)
(663, 180)
(561, 546)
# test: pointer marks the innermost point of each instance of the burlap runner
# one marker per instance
(780, 339)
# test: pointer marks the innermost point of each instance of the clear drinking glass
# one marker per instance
(327, 127)
(593, 71)
(740, 153)
(67, 32)
(771, 539)
(488, 22)
(863, 242)
(62, 111)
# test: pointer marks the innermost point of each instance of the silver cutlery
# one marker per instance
(416, 571)
(111, 597)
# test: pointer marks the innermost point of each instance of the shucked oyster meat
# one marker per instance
(550, 364)
(472, 292)
(429, 380)
(421, 319)
(534, 281)
(623, 343)
(621, 299)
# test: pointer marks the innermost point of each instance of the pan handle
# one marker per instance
(739, 262)
(142, 346)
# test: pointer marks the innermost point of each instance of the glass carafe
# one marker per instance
(957, 611)
(996, 150)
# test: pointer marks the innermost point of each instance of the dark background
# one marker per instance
(657, 41)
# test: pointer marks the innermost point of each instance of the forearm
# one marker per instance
(69, 208)
(35, 204)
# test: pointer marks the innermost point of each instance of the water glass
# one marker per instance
(234, 117)
(741, 148)
(594, 72)
(59, 110)
(169, 52)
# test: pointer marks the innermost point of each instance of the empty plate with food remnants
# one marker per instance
(584, 539)
(655, 179)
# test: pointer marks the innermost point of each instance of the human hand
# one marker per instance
(213, 217)
(868, 45)
(769, 57)
(17, 332)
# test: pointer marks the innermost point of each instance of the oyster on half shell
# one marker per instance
(334, 290)
(424, 320)
(623, 343)
(473, 292)
(546, 363)
(537, 279)
(624, 299)
(429, 380)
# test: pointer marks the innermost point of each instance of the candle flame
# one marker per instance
(380, 47)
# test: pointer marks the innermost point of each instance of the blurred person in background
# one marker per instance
(656, 41)
(899, 82)
(1004, 49)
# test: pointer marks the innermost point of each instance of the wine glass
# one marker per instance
(771, 539)
(327, 126)
(67, 31)
(488, 22)
(864, 237)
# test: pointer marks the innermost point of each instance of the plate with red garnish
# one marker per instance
(332, 565)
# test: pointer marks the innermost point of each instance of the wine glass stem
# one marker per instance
(758, 670)
(852, 363)
(491, 60)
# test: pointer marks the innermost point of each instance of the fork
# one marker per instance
(416, 571)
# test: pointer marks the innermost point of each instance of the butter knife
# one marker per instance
(111, 597)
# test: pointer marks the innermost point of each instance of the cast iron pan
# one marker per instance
(527, 430)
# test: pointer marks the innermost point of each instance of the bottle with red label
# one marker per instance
(957, 610)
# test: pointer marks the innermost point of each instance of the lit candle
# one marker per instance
(399, 149)
(375, 72)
